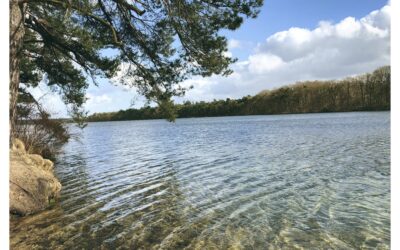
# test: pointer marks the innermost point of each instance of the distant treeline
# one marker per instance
(365, 92)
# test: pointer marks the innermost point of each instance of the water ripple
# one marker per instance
(319, 181)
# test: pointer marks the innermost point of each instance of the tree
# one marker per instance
(150, 45)
(302, 97)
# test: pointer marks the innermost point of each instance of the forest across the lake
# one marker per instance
(367, 92)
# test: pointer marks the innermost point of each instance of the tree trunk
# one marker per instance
(17, 32)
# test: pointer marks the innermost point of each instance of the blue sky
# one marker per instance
(278, 15)
(291, 40)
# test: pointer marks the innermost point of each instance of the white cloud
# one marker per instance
(227, 54)
(101, 99)
(234, 44)
(330, 51)
(264, 62)
(348, 28)
(99, 103)
(123, 76)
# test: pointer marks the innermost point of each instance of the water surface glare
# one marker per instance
(310, 181)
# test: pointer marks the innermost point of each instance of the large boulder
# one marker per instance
(33, 185)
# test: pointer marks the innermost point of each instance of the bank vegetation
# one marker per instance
(367, 92)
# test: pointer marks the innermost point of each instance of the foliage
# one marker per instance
(365, 92)
(78, 116)
(150, 45)
(40, 134)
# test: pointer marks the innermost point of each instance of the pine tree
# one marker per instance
(158, 44)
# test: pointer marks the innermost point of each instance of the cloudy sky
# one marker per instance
(290, 41)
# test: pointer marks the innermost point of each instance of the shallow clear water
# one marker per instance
(312, 181)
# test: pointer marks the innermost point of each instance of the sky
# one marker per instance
(290, 40)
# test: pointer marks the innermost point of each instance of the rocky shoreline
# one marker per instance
(33, 185)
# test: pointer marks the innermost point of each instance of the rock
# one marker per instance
(33, 185)
(36, 159)
(48, 165)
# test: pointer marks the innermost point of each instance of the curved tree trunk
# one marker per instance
(17, 32)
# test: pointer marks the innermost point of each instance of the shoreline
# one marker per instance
(301, 113)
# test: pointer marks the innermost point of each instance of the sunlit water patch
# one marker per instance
(315, 181)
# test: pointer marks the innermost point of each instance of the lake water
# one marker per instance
(311, 181)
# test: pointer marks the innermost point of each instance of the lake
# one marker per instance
(312, 181)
